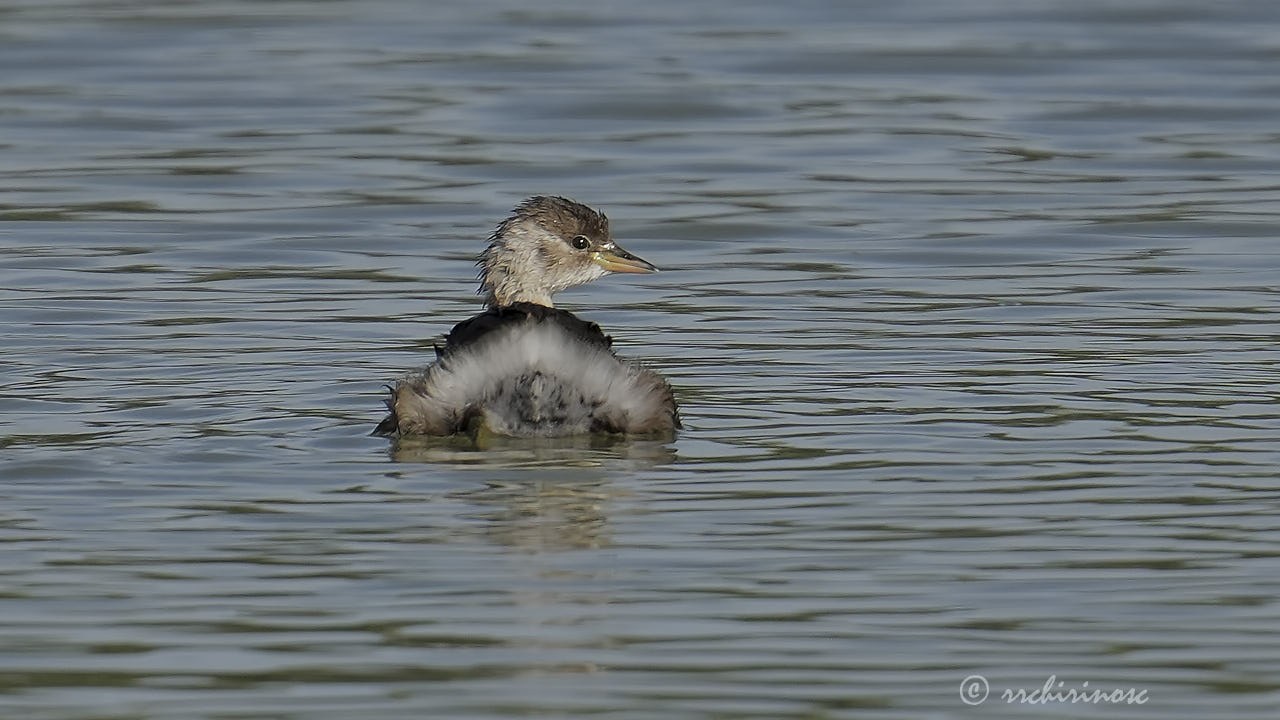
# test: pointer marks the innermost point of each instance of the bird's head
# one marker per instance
(549, 244)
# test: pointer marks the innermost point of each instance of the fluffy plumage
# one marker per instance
(523, 367)
(529, 370)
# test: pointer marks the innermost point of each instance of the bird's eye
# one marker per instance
(581, 242)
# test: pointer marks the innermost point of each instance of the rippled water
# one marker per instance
(971, 308)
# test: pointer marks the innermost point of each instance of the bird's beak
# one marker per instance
(615, 259)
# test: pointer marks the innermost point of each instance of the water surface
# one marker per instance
(970, 307)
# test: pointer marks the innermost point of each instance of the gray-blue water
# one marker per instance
(971, 308)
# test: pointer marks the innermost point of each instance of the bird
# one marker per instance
(523, 367)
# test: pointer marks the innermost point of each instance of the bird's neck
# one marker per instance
(504, 295)
(507, 276)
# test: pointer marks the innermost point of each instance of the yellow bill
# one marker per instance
(615, 259)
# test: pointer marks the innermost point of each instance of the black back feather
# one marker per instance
(471, 330)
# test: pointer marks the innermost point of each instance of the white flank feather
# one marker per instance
(535, 379)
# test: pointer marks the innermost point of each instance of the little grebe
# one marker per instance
(524, 367)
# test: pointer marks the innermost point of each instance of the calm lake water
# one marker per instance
(972, 308)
